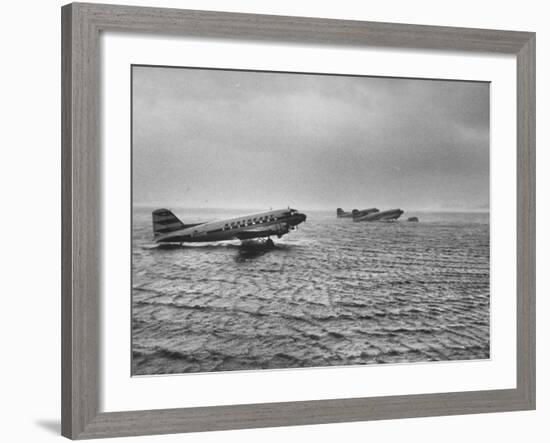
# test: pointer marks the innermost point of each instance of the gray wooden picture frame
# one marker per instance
(81, 206)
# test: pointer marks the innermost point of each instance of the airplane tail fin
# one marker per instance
(164, 221)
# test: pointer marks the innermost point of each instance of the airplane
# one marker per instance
(167, 228)
(340, 213)
(390, 215)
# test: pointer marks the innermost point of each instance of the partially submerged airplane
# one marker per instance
(390, 215)
(167, 228)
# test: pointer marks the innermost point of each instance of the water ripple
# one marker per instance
(332, 293)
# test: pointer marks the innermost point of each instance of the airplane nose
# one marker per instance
(296, 218)
(300, 218)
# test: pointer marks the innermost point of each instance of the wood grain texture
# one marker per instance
(81, 205)
(66, 225)
(298, 413)
(526, 215)
(80, 220)
(230, 25)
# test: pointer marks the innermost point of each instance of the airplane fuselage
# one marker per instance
(355, 213)
(390, 215)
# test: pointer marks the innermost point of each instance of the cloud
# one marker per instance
(255, 139)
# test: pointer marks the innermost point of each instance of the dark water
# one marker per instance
(334, 292)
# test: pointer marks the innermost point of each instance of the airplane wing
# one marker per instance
(253, 233)
(261, 231)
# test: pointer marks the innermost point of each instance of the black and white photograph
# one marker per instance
(306, 220)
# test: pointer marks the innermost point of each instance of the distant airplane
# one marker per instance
(390, 215)
(340, 213)
(167, 228)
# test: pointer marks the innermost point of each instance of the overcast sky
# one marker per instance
(234, 139)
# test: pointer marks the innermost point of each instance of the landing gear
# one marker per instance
(269, 243)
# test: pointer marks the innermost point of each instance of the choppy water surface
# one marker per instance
(334, 292)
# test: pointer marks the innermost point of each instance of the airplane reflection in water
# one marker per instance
(168, 228)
